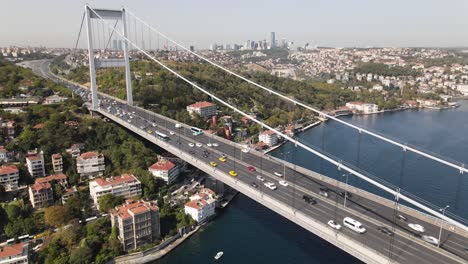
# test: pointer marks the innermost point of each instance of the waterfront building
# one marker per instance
(14, 254)
(9, 176)
(138, 223)
(165, 170)
(57, 163)
(366, 108)
(201, 206)
(126, 185)
(35, 163)
(90, 165)
(269, 137)
(204, 109)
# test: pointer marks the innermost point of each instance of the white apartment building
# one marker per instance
(90, 165)
(3, 154)
(138, 223)
(35, 163)
(204, 109)
(40, 194)
(14, 254)
(57, 163)
(366, 108)
(165, 170)
(9, 176)
(201, 206)
(268, 137)
(126, 185)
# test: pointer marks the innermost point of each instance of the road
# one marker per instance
(406, 246)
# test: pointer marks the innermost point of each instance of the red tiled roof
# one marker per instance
(34, 157)
(38, 186)
(58, 176)
(135, 207)
(88, 155)
(267, 132)
(116, 180)
(38, 126)
(196, 204)
(7, 169)
(12, 250)
(201, 104)
(162, 164)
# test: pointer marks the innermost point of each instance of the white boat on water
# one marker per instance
(219, 255)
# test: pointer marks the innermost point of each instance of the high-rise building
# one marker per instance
(57, 162)
(9, 176)
(35, 163)
(126, 185)
(272, 40)
(90, 164)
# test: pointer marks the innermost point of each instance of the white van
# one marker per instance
(353, 225)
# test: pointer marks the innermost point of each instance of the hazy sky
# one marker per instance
(338, 23)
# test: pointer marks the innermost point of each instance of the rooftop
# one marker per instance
(116, 180)
(58, 177)
(10, 251)
(132, 207)
(162, 164)
(89, 155)
(7, 169)
(39, 186)
(201, 104)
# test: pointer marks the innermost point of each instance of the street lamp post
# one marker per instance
(441, 222)
(284, 163)
(346, 187)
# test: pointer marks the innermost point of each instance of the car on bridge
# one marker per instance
(191, 145)
(253, 184)
(323, 192)
(308, 199)
(222, 159)
(270, 185)
(354, 225)
(431, 240)
(417, 227)
(214, 164)
(171, 132)
(233, 173)
(251, 168)
(278, 174)
(199, 145)
(284, 183)
(260, 178)
(245, 150)
(385, 230)
(334, 225)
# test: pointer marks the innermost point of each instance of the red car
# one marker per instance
(250, 168)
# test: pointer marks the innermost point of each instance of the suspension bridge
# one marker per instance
(400, 226)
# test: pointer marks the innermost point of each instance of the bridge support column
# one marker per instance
(128, 77)
(92, 69)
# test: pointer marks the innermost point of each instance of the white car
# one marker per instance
(354, 225)
(260, 178)
(417, 228)
(199, 145)
(215, 144)
(153, 124)
(191, 145)
(334, 225)
(284, 183)
(245, 150)
(270, 185)
(278, 174)
(430, 239)
(171, 132)
(178, 125)
(209, 145)
(129, 120)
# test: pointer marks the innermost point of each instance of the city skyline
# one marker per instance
(362, 23)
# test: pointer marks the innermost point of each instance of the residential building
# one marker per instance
(75, 149)
(55, 99)
(40, 194)
(204, 109)
(165, 170)
(14, 254)
(366, 108)
(90, 164)
(201, 206)
(57, 163)
(59, 178)
(68, 193)
(126, 185)
(138, 223)
(3, 154)
(9, 129)
(35, 163)
(269, 137)
(9, 176)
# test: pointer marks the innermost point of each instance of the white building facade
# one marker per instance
(126, 185)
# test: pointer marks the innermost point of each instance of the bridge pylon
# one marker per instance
(108, 14)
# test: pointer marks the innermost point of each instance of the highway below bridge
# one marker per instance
(373, 246)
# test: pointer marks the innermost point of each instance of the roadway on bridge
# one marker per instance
(407, 247)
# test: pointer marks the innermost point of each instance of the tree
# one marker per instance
(56, 215)
(109, 201)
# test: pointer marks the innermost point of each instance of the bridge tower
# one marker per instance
(115, 15)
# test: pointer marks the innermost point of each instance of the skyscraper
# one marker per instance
(272, 40)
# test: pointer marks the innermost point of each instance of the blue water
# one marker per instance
(249, 233)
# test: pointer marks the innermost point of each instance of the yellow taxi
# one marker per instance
(233, 173)
(222, 159)
(214, 164)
